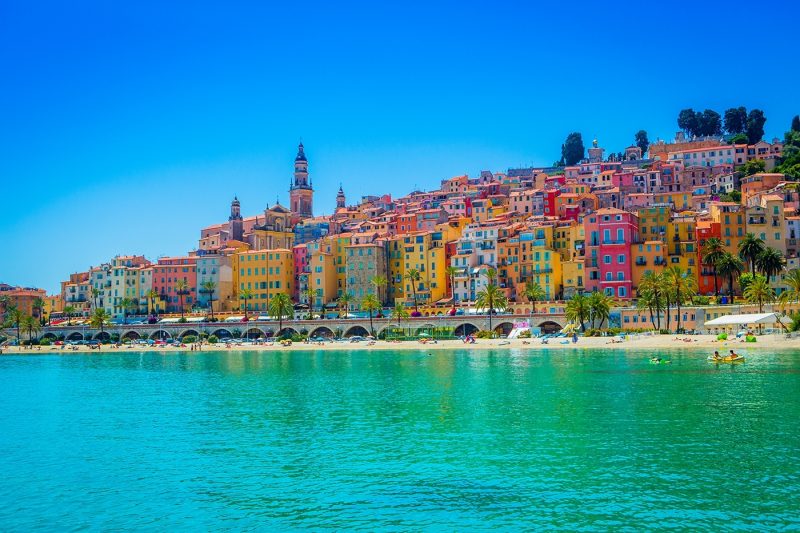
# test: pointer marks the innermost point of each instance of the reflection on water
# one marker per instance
(412, 440)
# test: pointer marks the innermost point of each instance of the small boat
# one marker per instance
(659, 361)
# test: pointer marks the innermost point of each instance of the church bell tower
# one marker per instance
(301, 194)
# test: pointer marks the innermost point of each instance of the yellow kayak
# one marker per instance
(726, 359)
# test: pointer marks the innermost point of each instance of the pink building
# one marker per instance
(609, 235)
(166, 274)
(301, 270)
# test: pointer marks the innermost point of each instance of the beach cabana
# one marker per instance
(729, 322)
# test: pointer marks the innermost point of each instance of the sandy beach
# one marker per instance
(704, 343)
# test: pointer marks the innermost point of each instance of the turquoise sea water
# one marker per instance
(454, 440)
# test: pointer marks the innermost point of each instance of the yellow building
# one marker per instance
(275, 232)
(766, 221)
(653, 222)
(648, 256)
(424, 252)
(322, 278)
(265, 273)
(680, 201)
(540, 262)
(53, 304)
(568, 239)
(682, 243)
(572, 275)
(731, 219)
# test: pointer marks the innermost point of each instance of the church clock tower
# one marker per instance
(301, 194)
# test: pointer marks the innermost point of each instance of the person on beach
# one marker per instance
(574, 338)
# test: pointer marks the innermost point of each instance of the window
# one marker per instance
(621, 259)
(621, 291)
(607, 259)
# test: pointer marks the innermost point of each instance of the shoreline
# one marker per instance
(707, 343)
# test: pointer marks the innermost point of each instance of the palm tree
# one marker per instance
(344, 302)
(413, 276)
(125, 304)
(37, 308)
(279, 307)
(730, 266)
(758, 291)
(310, 298)
(770, 262)
(399, 313)
(30, 325)
(577, 309)
(792, 279)
(69, 311)
(682, 285)
(749, 249)
(14, 318)
(181, 287)
(95, 295)
(99, 319)
(379, 282)
(651, 290)
(712, 252)
(533, 292)
(451, 272)
(370, 304)
(152, 294)
(245, 294)
(491, 298)
(600, 305)
(209, 287)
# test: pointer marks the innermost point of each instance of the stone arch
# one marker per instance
(321, 331)
(102, 336)
(189, 332)
(549, 326)
(253, 333)
(49, 335)
(287, 331)
(503, 328)
(160, 334)
(357, 330)
(132, 335)
(222, 333)
(75, 336)
(467, 328)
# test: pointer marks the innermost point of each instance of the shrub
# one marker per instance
(182, 320)
(722, 337)
(189, 338)
(702, 300)
(525, 334)
(212, 339)
(297, 337)
(44, 342)
(485, 334)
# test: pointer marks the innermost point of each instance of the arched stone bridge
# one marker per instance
(462, 325)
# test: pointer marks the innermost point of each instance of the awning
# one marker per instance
(196, 319)
(169, 321)
(234, 319)
(752, 318)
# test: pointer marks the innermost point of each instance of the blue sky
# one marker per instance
(125, 127)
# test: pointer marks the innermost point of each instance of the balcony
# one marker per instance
(542, 271)
(641, 262)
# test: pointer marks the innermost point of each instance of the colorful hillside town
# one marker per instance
(698, 222)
